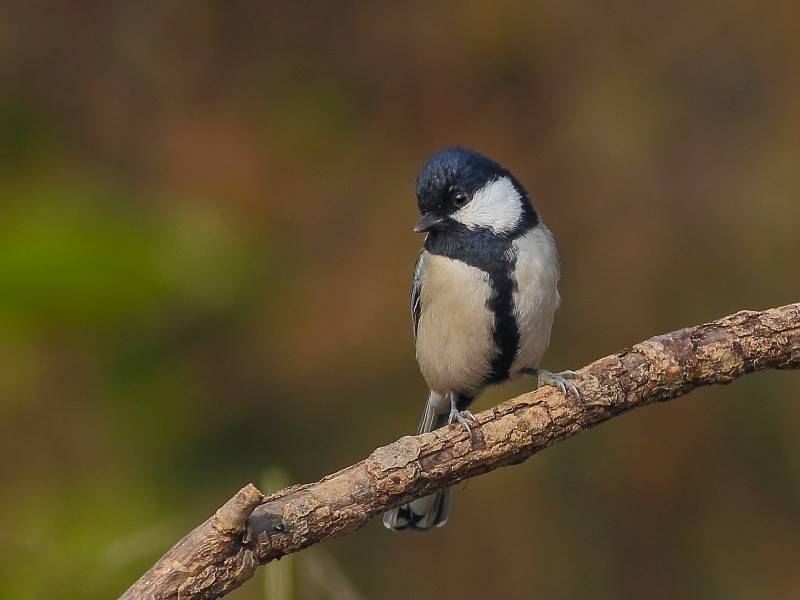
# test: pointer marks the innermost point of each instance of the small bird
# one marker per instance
(483, 298)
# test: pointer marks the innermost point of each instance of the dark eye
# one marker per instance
(460, 198)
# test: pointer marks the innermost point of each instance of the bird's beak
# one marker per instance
(427, 222)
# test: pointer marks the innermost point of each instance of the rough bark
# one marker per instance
(249, 529)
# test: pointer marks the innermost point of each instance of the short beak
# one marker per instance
(427, 222)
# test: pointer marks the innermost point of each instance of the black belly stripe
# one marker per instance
(494, 255)
(506, 332)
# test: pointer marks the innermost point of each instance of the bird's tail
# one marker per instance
(431, 511)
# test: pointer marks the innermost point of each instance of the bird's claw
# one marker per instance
(461, 416)
(560, 380)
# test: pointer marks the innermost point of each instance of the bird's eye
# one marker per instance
(460, 198)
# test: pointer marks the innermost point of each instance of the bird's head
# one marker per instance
(458, 188)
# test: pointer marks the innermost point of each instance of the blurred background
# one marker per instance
(206, 253)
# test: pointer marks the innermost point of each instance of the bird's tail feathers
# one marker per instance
(435, 415)
(430, 511)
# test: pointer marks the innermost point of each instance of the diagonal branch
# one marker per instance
(250, 530)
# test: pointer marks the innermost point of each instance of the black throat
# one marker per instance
(494, 254)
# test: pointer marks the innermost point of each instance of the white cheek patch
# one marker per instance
(497, 205)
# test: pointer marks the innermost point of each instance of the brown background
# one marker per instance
(206, 249)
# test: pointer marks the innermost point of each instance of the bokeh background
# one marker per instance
(206, 251)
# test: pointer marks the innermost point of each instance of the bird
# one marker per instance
(483, 298)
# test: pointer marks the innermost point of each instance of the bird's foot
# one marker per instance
(461, 416)
(562, 381)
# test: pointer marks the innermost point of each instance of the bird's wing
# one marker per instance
(416, 292)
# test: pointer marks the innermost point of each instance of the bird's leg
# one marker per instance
(460, 415)
(560, 380)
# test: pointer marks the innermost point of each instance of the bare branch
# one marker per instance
(249, 529)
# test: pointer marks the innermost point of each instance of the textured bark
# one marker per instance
(249, 530)
(208, 562)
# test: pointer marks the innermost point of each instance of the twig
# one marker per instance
(250, 530)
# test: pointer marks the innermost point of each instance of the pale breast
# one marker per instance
(454, 336)
(536, 295)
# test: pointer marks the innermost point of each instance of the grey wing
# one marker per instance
(416, 293)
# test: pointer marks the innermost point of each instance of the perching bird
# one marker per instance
(483, 298)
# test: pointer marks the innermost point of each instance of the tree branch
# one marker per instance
(250, 530)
